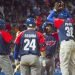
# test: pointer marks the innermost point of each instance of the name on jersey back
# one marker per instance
(30, 35)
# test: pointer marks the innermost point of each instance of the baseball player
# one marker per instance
(5, 40)
(65, 27)
(29, 45)
(59, 9)
(51, 45)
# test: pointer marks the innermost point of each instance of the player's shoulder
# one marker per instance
(6, 36)
(17, 39)
(55, 35)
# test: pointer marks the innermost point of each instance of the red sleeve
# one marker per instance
(58, 23)
(41, 41)
(7, 36)
(17, 40)
(55, 34)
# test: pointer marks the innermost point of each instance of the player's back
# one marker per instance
(65, 29)
(29, 43)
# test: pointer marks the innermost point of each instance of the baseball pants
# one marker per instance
(29, 65)
(49, 68)
(67, 57)
(5, 64)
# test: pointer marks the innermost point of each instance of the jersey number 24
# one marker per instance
(30, 44)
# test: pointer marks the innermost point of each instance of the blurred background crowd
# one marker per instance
(19, 10)
(15, 12)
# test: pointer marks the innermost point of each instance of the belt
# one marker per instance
(29, 54)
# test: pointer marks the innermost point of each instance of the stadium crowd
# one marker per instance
(16, 12)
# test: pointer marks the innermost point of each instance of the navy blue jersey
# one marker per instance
(28, 43)
(65, 29)
(51, 45)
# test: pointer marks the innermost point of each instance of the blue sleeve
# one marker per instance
(51, 16)
(16, 51)
(68, 13)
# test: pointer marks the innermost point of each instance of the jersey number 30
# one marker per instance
(29, 44)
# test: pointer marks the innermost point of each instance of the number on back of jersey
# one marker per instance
(29, 44)
(69, 29)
